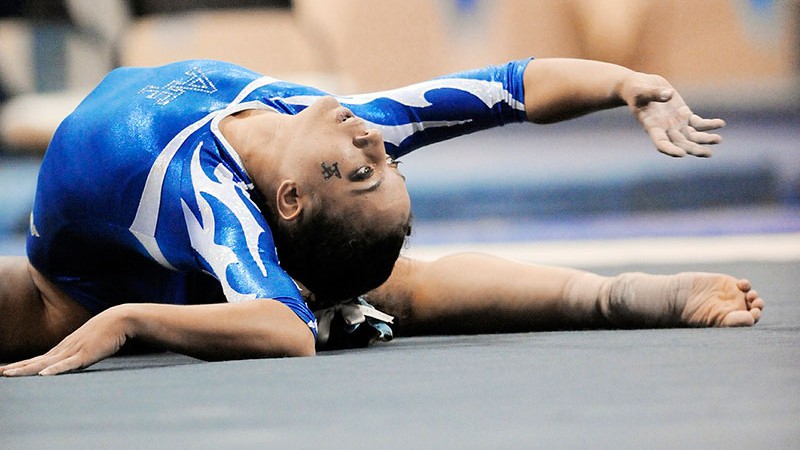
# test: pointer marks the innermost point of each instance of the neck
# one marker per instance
(252, 134)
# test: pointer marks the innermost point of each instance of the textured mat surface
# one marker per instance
(687, 388)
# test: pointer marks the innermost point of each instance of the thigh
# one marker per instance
(34, 314)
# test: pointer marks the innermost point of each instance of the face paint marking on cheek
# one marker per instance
(330, 171)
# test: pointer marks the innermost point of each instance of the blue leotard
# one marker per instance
(141, 199)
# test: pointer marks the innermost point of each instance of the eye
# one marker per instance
(362, 173)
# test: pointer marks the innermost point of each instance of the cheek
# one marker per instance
(397, 186)
(396, 204)
(330, 195)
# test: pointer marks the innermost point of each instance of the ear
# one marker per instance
(288, 201)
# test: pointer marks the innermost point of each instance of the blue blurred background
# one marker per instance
(596, 176)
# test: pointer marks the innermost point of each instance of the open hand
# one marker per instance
(673, 127)
(100, 337)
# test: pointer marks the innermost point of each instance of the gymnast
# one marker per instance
(205, 209)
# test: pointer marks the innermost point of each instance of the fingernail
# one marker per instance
(665, 95)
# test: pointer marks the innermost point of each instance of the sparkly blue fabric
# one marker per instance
(140, 199)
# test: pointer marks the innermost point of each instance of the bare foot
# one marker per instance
(722, 301)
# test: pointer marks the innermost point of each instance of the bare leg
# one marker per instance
(472, 293)
(476, 293)
(34, 314)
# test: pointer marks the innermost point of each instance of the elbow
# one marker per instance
(550, 115)
(536, 115)
(276, 332)
(270, 346)
(541, 119)
(303, 346)
(295, 341)
(290, 344)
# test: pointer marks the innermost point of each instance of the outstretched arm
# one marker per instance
(539, 91)
(475, 293)
(249, 329)
(560, 89)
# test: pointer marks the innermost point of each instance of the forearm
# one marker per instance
(251, 329)
(559, 89)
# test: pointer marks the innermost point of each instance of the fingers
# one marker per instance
(62, 358)
(74, 362)
(654, 94)
(700, 137)
(46, 364)
(680, 138)
(700, 124)
(664, 144)
(28, 367)
(676, 144)
(681, 143)
(674, 129)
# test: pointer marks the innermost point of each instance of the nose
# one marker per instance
(371, 141)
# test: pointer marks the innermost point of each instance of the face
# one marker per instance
(342, 164)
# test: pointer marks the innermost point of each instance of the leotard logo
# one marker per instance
(195, 81)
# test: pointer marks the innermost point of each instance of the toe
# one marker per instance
(756, 313)
(744, 285)
(738, 318)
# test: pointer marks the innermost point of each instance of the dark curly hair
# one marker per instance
(332, 257)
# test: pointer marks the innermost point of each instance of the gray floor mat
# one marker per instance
(686, 388)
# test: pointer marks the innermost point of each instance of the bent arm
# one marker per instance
(250, 329)
(539, 91)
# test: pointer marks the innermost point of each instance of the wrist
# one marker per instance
(624, 90)
(125, 317)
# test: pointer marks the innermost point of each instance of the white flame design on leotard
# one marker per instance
(226, 191)
(489, 92)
